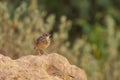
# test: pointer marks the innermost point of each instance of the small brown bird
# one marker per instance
(42, 42)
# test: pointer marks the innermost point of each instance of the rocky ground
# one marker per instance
(35, 67)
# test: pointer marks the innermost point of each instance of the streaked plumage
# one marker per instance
(42, 42)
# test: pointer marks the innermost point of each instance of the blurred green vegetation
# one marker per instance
(87, 32)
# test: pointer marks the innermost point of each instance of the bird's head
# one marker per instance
(46, 35)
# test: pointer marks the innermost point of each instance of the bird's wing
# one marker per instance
(40, 39)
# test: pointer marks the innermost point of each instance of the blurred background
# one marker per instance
(87, 32)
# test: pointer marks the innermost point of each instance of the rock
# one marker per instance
(36, 67)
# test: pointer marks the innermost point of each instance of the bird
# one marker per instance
(42, 43)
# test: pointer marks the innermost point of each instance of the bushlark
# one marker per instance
(42, 43)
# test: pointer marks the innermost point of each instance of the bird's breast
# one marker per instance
(43, 45)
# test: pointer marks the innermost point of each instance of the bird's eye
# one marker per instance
(46, 34)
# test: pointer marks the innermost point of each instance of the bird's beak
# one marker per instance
(49, 35)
